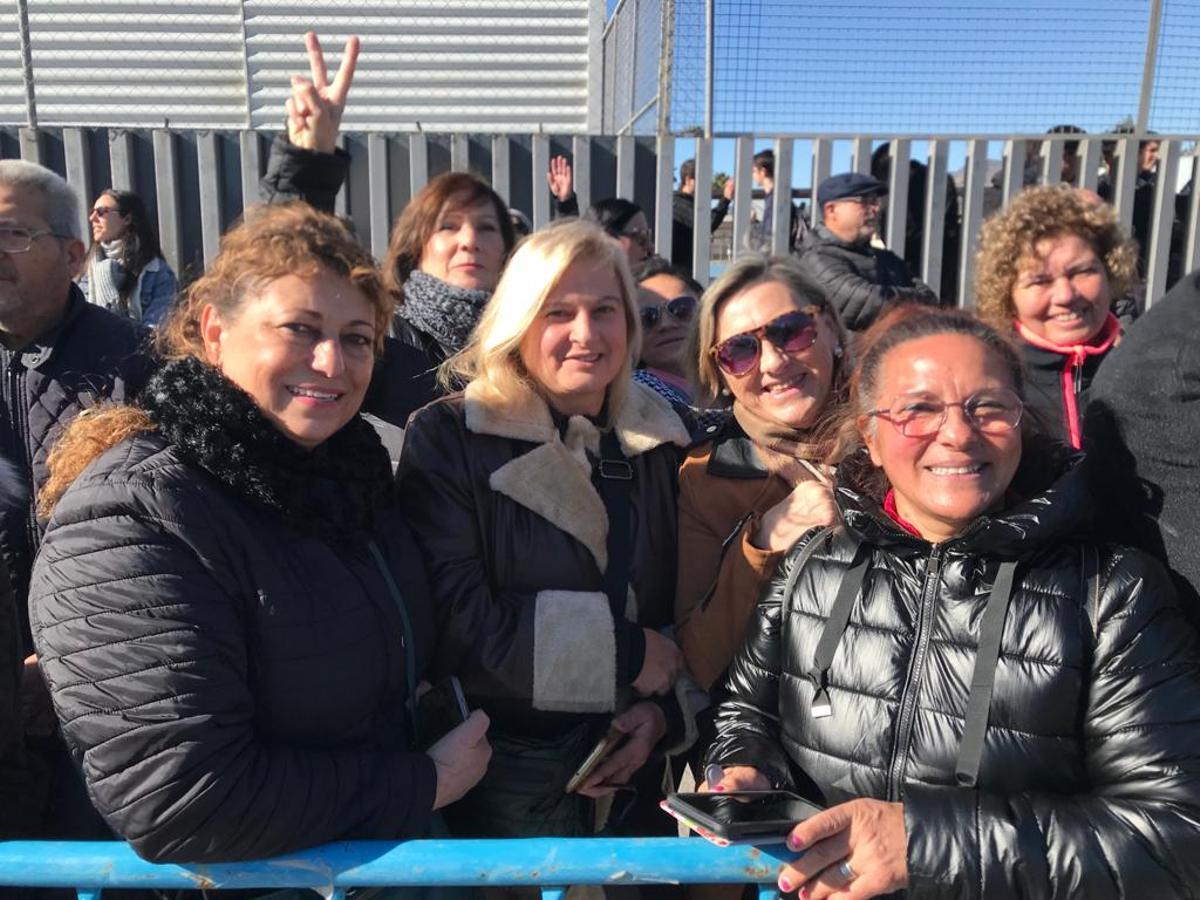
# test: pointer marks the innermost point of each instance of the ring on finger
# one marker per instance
(846, 870)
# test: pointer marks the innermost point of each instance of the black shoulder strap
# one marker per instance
(615, 482)
(987, 658)
(410, 650)
(835, 627)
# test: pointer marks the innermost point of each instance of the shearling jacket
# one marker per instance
(724, 489)
(502, 500)
(859, 280)
(220, 616)
(1087, 781)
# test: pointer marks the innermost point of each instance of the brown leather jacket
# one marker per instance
(723, 491)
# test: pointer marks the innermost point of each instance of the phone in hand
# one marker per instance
(592, 761)
(440, 710)
(741, 817)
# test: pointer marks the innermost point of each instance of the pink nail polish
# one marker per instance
(785, 885)
(719, 788)
(803, 893)
(794, 843)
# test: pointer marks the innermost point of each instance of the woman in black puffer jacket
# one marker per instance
(229, 611)
(991, 704)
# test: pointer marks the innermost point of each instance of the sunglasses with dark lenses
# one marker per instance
(792, 332)
(681, 309)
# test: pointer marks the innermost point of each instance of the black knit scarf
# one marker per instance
(445, 312)
(333, 490)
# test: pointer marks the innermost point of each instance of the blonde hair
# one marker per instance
(491, 360)
(1034, 215)
(271, 242)
(746, 273)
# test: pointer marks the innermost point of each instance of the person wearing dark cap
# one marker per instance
(859, 279)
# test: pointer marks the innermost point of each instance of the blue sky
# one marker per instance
(931, 66)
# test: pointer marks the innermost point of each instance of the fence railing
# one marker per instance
(549, 863)
(199, 181)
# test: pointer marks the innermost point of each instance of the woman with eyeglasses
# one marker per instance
(769, 348)
(989, 703)
(125, 270)
(667, 300)
(625, 222)
(1049, 266)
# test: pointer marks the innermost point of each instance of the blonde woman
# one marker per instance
(549, 608)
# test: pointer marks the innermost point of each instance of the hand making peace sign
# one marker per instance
(314, 110)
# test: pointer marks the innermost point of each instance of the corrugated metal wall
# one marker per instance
(444, 65)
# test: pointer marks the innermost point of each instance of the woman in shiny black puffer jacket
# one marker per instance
(1088, 781)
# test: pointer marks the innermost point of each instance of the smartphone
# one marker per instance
(440, 710)
(760, 817)
(599, 753)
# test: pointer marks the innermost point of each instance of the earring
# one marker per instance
(724, 392)
(837, 350)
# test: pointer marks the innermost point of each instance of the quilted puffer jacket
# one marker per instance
(859, 280)
(220, 617)
(1079, 777)
(92, 356)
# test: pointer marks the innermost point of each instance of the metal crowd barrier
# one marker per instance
(548, 863)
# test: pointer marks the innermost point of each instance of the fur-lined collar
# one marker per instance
(554, 479)
(333, 490)
(644, 421)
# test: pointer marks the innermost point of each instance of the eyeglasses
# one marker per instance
(869, 200)
(640, 236)
(19, 240)
(988, 412)
(790, 333)
(681, 309)
(103, 211)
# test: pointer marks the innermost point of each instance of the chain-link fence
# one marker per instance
(636, 58)
(934, 66)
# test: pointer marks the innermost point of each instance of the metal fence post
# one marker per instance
(1127, 168)
(1014, 171)
(378, 194)
(418, 163)
(166, 186)
(31, 118)
(501, 174)
(210, 194)
(861, 156)
(248, 149)
(822, 162)
(120, 158)
(897, 220)
(1162, 218)
(972, 218)
(664, 195)
(702, 218)
(541, 194)
(581, 169)
(781, 199)
(743, 185)
(79, 171)
(666, 61)
(1089, 163)
(933, 239)
(1148, 63)
(625, 156)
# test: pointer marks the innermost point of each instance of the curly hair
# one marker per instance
(1036, 214)
(271, 242)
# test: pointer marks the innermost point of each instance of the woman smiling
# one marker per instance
(257, 614)
(544, 497)
(955, 669)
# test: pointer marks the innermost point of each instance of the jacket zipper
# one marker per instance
(908, 698)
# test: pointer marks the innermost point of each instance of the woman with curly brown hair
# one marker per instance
(230, 613)
(1048, 268)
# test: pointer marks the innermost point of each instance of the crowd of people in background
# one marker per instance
(813, 527)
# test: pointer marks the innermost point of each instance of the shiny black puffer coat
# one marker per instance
(1089, 779)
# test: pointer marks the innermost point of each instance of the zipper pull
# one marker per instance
(822, 706)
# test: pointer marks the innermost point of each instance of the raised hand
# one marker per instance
(314, 110)
(560, 178)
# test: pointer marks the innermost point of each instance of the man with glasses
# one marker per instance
(59, 355)
(858, 278)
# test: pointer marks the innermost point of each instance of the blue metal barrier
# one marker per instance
(549, 863)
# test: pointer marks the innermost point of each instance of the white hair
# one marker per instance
(62, 202)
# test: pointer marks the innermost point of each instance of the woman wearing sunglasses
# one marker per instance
(770, 349)
(626, 223)
(667, 301)
(988, 703)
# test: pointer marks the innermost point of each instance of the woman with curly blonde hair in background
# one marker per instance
(1048, 269)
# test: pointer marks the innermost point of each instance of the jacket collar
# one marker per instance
(333, 490)
(554, 479)
(733, 454)
(825, 236)
(39, 351)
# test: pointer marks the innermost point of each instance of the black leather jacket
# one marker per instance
(1088, 777)
(859, 280)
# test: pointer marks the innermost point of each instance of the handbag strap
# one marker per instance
(983, 680)
(406, 640)
(615, 482)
